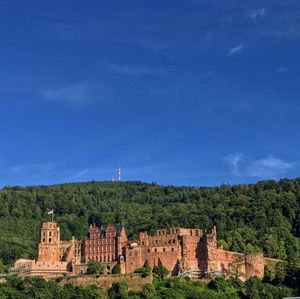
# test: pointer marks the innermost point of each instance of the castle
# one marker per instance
(183, 251)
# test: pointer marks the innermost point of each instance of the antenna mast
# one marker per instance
(119, 175)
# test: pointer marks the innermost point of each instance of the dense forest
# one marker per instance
(176, 288)
(255, 217)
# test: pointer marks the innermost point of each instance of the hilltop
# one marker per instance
(253, 217)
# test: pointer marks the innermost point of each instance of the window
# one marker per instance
(191, 232)
(49, 240)
(172, 248)
(197, 233)
(50, 233)
(148, 250)
(155, 250)
(164, 249)
(44, 240)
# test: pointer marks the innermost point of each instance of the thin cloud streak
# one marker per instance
(77, 93)
(235, 50)
(268, 167)
(134, 70)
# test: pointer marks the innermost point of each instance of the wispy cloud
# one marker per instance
(74, 94)
(268, 167)
(235, 49)
(257, 14)
(135, 70)
(234, 161)
(282, 70)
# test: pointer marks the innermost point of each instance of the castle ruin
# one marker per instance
(183, 251)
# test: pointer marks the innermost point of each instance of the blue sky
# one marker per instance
(194, 92)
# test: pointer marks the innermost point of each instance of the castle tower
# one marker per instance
(49, 250)
(208, 259)
(211, 243)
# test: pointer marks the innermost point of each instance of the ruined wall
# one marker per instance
(254, 264)
(192, 251)
(135, 281)
(49, 269)
(227, 258)
(211, 249)
(251, 264)
(163, 247)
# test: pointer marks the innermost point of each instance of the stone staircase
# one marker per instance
(198, 274)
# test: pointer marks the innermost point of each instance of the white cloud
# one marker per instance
(235, 49)
(234, 161)
(268, 167)
(257, 13)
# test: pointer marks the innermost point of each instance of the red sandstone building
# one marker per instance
(191, 252)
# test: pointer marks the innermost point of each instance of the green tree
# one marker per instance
(149, 292)
(118, 291)
(94, 267)
(160, 271)
(3, 268)
(145, 270)
(116, 269)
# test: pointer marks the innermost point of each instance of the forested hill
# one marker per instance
(257, 217)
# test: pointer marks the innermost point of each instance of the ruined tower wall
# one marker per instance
(49, 246)
(254, 264)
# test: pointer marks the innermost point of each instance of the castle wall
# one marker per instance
(163, 247)
(227, 258)
(254, 265)
(135, 281)
(49, 269)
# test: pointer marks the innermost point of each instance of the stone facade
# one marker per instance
(182, 251)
